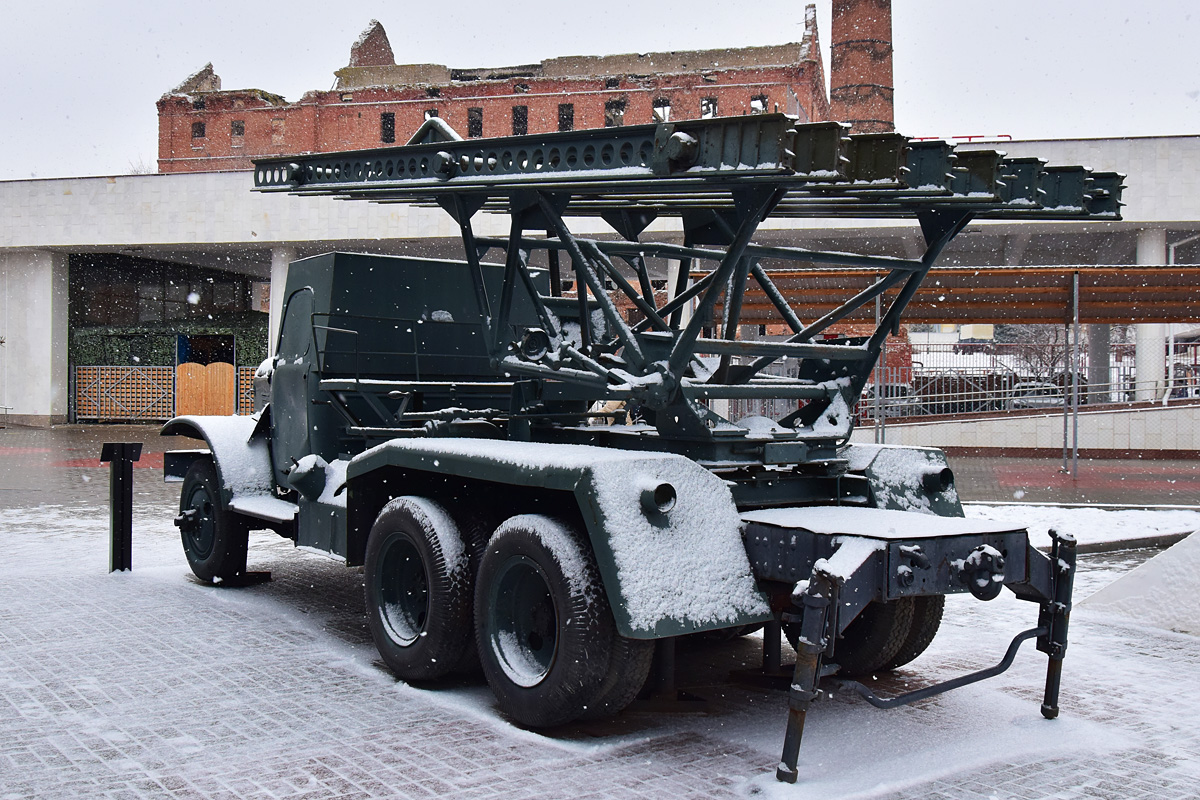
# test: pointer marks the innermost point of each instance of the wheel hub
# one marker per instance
(523, 622)
(403, 592)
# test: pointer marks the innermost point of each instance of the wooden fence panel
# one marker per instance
(124, 393)
(245, 390)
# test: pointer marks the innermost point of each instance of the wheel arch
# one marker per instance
(369, 492)
(238, 447)
(682, 571)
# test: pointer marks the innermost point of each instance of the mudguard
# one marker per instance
(240, 450)
(666, 534)
(906, 478)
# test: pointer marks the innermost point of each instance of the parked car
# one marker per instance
(1035, 394)
(898, 400)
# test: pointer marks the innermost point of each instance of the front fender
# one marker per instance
(239, 447)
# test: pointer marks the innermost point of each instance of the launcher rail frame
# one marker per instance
(722, 178)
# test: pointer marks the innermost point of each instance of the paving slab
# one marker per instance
(150, 684)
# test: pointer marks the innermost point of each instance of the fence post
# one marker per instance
(120, 457)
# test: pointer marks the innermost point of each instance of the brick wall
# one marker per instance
(377, 104)
(861, 86)
(240, 126)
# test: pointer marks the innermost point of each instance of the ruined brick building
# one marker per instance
(376, 102)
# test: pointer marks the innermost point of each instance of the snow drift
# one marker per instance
(1163, 592)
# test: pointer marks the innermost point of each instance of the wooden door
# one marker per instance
(201, 389)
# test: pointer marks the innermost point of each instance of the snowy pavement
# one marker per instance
(149, 684)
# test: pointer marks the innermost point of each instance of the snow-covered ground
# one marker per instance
(149, 685)
(1088, 525)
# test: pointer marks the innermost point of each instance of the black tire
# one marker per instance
(927, 618)
(874, 637)
(628, 668)
(418, 586)
(475, 531)
(214, 538)
(543, 626)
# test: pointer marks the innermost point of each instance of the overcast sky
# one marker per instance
(79, 80)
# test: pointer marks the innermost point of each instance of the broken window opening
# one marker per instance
(614, 113)
(431, 113)
(566, 116)
(708, 107)
(198, 104)
(662, 109)
(612, 83)
(387, 127)
(197, 130)
(520, 117)
(237, 127)
(758, 104)
(474, 123)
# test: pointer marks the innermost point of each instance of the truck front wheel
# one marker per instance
(543, 626)
(214, 538)
(418, 587)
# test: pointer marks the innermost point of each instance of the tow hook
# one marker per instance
(186, 520)
(982, 571)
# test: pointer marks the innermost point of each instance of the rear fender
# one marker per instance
(906, 478)
(665, 531)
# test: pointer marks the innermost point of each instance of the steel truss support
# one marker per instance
(653, 361)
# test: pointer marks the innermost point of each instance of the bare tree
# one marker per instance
(1040, 350)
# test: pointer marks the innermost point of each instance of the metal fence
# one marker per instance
(972, 377)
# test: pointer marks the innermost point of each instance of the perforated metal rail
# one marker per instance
(674, 167)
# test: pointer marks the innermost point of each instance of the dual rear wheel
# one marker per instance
(527, 605)
(885, 636)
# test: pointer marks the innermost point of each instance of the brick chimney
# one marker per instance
(860, 70)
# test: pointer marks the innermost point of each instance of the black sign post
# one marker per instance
(120, 457)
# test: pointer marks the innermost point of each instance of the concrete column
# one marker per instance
(673, 267)
(1149, 353)
(1099, 348)
(280, 258)
(33, 327)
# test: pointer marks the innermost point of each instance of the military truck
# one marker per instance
(526, 455)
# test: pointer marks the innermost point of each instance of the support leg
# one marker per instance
(1056, 616)
(810, 646)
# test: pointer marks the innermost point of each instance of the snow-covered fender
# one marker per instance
(239, 448)
(906, 478)
(665, 531)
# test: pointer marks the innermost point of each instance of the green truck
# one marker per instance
(526, 455)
